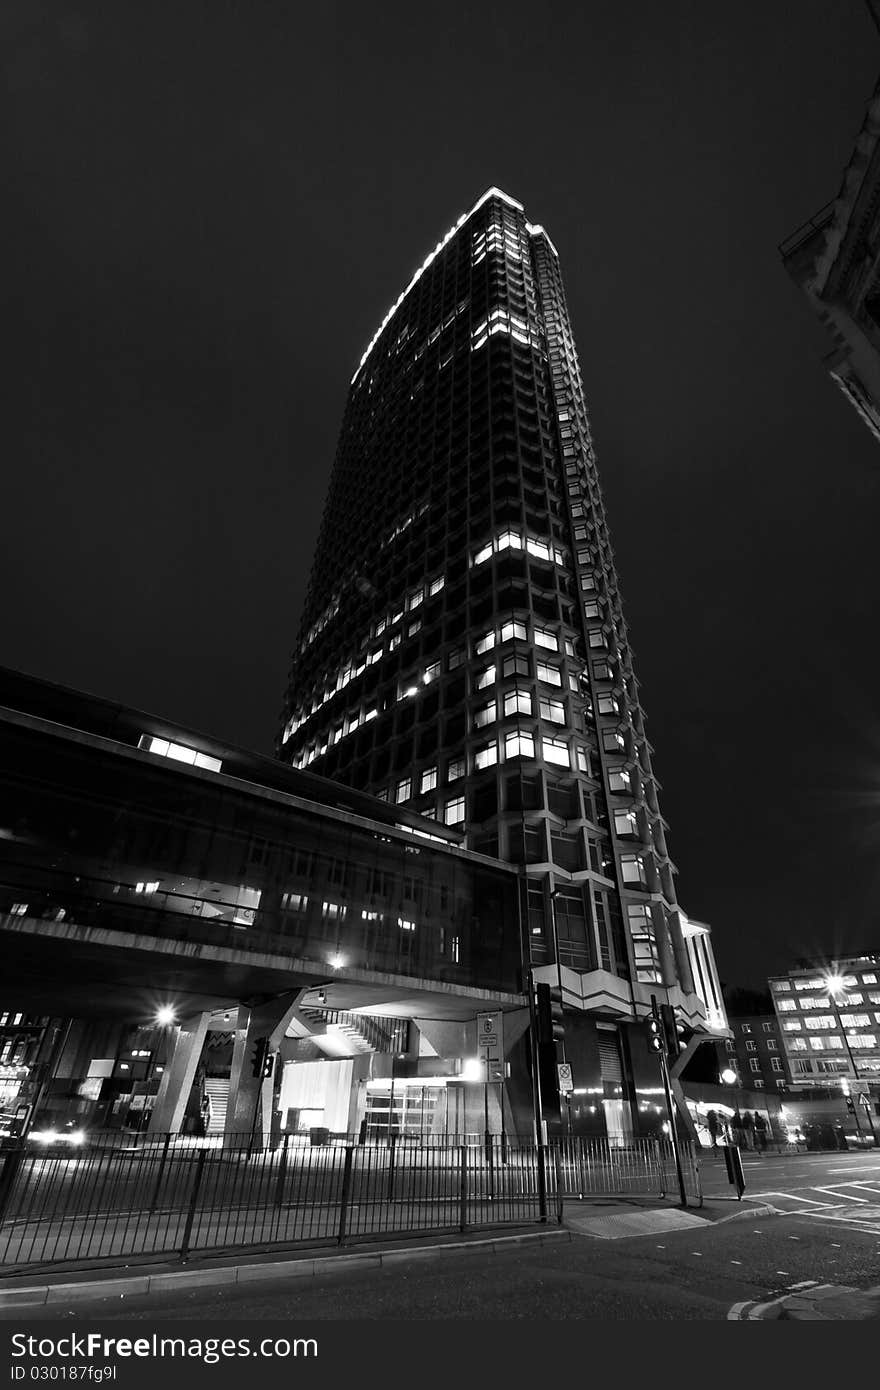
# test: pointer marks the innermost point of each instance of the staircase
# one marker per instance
(357, 1032)
(217, 1089)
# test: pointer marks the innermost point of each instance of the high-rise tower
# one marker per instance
(463, 649)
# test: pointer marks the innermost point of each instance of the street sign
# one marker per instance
(566, 1085)
(859, 1088)
(865, 1100)
(490, 1045)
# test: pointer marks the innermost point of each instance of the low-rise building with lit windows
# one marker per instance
(831, 1035)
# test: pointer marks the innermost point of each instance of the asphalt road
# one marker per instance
(682, 1275)
(770, 1174)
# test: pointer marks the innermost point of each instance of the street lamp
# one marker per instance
(835, 987)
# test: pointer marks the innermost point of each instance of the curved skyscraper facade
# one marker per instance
(463, 650)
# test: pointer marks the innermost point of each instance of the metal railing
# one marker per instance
(174, 1197)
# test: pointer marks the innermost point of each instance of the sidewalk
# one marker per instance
(604, 1218)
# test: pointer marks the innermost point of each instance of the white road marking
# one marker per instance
(805, 1284)
(736, 1262)
(830, 1191)
(857, 1168)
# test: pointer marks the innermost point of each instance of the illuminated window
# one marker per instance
(513, 630)
(632, 869)
(455, 769)
(486, 677)
(454, 812)
(548, 674)
(545, 638)
(644, 944)
(485, 643)
(625, 822)
(519, 745)
(619, 781)
(486, 757)
(791, 1025)
(429, 780)
(553, 710)
(554, 750)
(431, 672)
(486, 715)
(177, 752)
(821, 1021)
(517, 702)
(404, 789)
(798, 1044)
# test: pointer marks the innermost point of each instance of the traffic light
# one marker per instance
(545, 1026)
(655, 1027)
(260, 1058)
(673, 1031)
(850, 1104)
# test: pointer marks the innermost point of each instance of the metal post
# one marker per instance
(540, 1152)
(852, 1061)
(463, 1190)
(162, 1161)
(392, 1149)
(346, 1192)
(194, 1197)
(282, 1173)
(670, 1109)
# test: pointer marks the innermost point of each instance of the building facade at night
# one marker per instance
(831, 1038)
(833, 258)
(169, 902)
(463, 652)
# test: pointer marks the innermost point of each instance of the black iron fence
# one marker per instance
(170, 1196)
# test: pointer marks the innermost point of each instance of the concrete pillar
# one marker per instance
(178, 1076)
(251, 1110)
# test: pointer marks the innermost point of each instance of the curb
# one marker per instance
(169, 1281)
(765, 1209)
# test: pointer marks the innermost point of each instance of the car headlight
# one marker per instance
(43, 1136)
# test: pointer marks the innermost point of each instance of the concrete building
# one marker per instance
(835, 259)
(831, 1035)
(463, 652)
(174, 910)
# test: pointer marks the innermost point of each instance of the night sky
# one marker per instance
(208, 210)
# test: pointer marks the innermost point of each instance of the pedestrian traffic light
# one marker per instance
(260, 1058)
(850, 1104)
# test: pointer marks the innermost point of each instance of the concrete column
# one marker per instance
(178, 1076)
(250, 1110)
